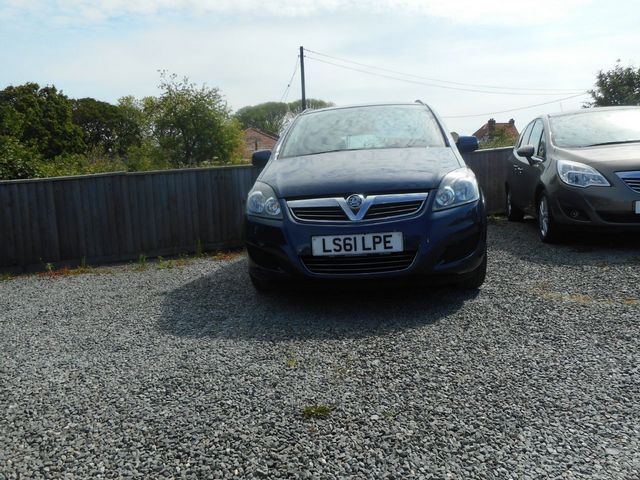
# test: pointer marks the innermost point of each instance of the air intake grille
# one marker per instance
(632, 179)
(361, 264)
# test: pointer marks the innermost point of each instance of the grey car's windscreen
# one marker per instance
(359, 128)
(596, 127)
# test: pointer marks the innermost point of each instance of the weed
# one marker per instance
(142, 262)
(49, 267)
(164, 264)
(5, 277)
(316, 411)
(292, 362)
(199, 251)
(495, 219)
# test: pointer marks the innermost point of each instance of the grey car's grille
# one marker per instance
(373, 207)
(632, 179)
(361, 264)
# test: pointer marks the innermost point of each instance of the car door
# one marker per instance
(516, 170)
(532, 168)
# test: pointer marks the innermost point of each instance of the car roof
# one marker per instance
(591, 110)
(377, 104)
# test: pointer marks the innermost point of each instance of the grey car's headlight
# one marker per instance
(580, 175)
(262, 202)
(457, 188)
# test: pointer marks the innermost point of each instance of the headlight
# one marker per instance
(262, 202)
(457, 188)
(580, 175)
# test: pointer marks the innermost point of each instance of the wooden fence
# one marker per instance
(119, 216)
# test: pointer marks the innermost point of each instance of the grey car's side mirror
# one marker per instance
(260, 158)
(526, 151)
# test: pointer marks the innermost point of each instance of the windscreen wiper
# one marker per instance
(613, 143)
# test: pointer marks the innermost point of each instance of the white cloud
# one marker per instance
(463, 11)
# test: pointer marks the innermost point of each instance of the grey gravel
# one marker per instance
(187, 372)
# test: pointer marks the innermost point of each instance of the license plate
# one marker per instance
(359, 244)
(638, 207)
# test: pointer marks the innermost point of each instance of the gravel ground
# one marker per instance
(186, 372)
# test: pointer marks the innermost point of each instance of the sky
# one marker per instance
(450, 54)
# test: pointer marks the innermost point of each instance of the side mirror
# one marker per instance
(260, 158)
(467, 144)
(526, 151)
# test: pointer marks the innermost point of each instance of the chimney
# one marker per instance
(492, 125)
(512, 122)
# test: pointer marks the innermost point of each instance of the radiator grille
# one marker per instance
(317, 214)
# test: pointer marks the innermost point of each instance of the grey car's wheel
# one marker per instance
(476, 279)
(514, 214)
(548, 229)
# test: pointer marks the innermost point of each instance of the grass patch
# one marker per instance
(316, 411)
(5, 277)
(292, 362)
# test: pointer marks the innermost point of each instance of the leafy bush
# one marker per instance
(17, 160)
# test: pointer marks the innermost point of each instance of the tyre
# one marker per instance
(476, 279)
(548, 229)
(514, 214)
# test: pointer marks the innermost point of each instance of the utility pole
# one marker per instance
(304, 96)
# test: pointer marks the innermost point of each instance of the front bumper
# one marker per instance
(448, 245)
(595, 207)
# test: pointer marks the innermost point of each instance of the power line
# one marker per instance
(518, 108)
(285, 94)
(563, 90)
(416, 82)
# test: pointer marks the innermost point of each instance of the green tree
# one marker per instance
(618, 86)
(107, 128)
(500, 137)
(40, 119)
(192, 125)
(312, 104)
(272, 117)
(268, 117)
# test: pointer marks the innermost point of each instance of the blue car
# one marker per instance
(369, 192)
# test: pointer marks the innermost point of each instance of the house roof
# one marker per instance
(492, 125)
(260, 132)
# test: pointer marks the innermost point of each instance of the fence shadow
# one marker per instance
(577, 248)
(223, 304)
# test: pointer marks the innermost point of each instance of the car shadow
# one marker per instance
(223, 304)
(576, 248)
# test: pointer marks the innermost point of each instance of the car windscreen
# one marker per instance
(592, 128)
(358, 128)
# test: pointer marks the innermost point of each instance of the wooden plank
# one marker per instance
(50, 221)
(126, 230)
(195, 207)
(173, 220)
(8, 250)
(187, 219)
(152, 229)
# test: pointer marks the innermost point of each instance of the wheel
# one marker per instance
(260, 285)
(476, 279)
(514, 214)
(548, 229)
